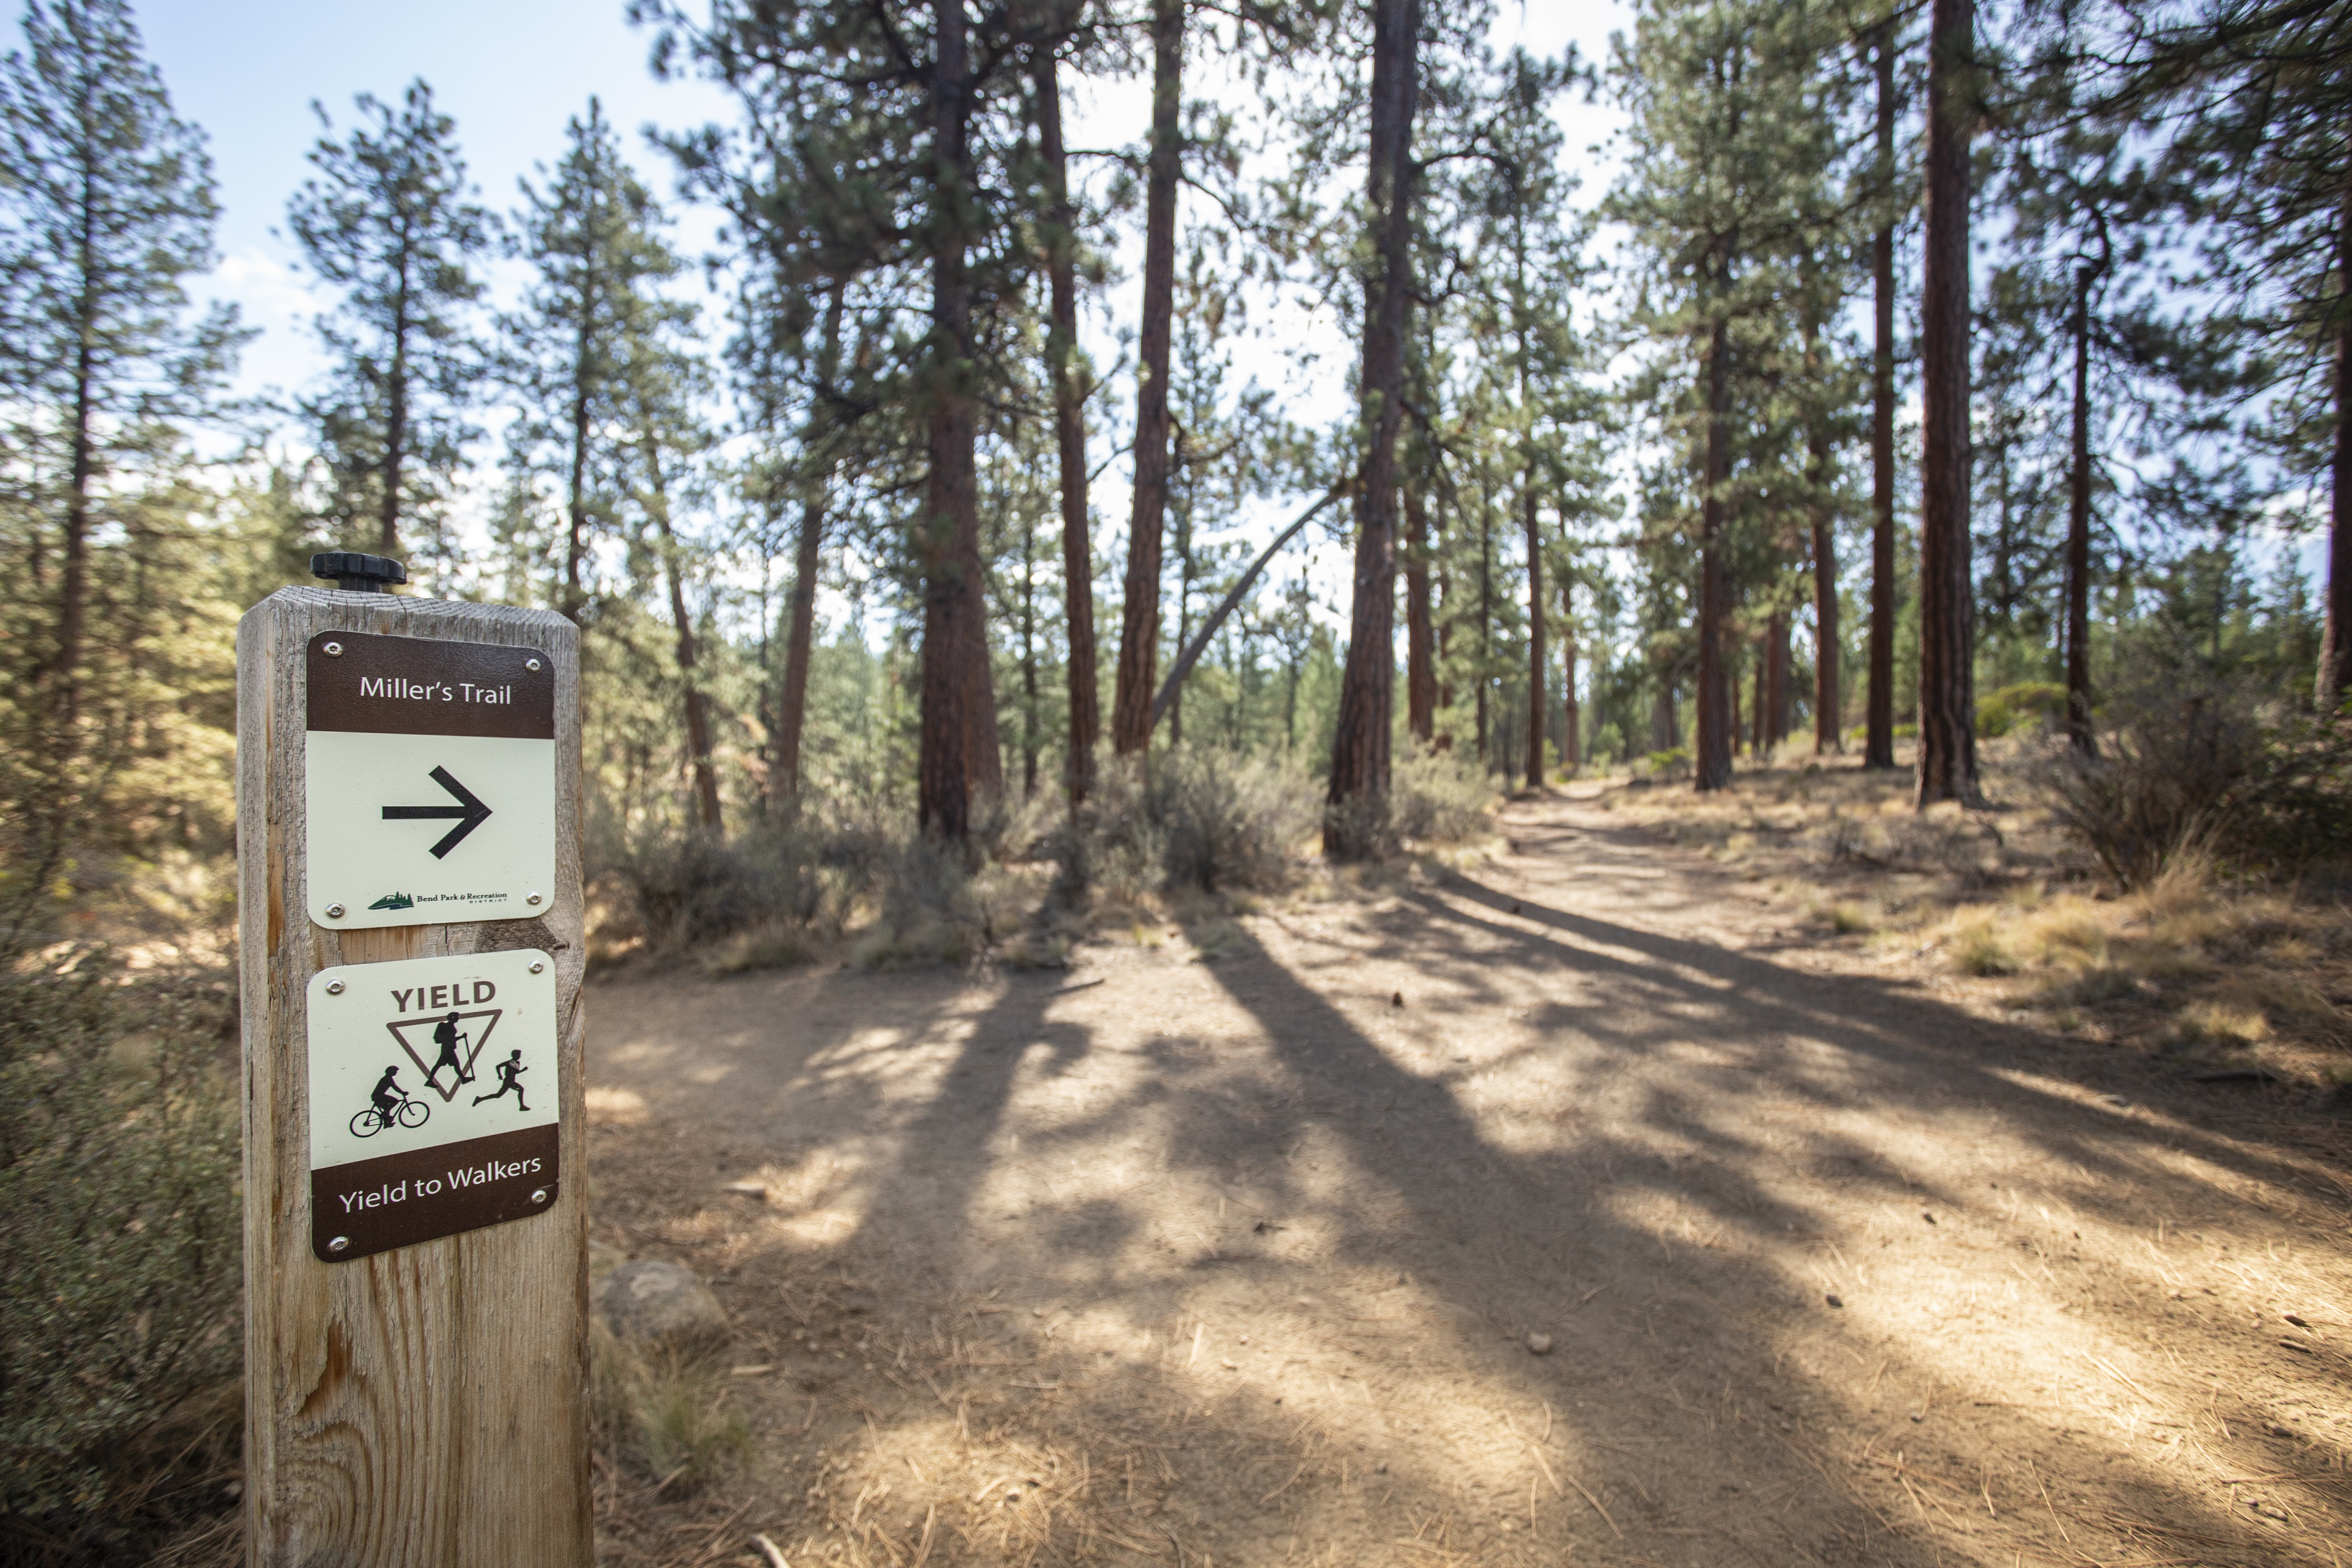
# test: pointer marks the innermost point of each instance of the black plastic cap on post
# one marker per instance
(357, 574)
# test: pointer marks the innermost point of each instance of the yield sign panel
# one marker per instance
(429, 781)
(403, 1146)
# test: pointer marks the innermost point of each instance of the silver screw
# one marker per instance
(339, 1244)
(532, 900)
(334, 911)
(333, 650)
(531, 664)
(539, 1195)
(335, 988)
(536, 966)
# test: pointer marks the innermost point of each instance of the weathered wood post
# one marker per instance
(411, 950)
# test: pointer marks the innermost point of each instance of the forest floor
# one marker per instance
(1625, 1195)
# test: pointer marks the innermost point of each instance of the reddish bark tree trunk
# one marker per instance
(1878, 735)
(2335, 635)
(1420, 674)
(1360, 747)
(958, 745)
(1139, 644)
(1828, 700)
(1070, 432)
(791, 720)
(1947, 742)
(698, 710)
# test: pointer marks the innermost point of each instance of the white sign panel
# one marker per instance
(428, 782)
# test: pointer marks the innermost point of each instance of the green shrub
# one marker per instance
(120, 1245)
(2196, 766)
(1438, 797)
(2042, 701)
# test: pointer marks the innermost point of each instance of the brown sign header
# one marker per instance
(398, 1200)
(417, 686)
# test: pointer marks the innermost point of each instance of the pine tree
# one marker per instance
(1360, 746)
(592, 236)
(390, 220)
(109, 209)
(1947, 736)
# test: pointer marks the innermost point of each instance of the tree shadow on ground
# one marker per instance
(1229, 1263)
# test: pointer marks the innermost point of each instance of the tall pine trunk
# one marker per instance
(1878, 720)
(63, 705)
(689, 674)
(1360, 746)
(1139, 642)
(1070, 433)
(1717, 723)
(957, 748)
(2078, 531)
(1948, 740)
(2335, 636)
(792, 722)
(575, 545)
(784, 776)
(395, 424)
(1420, 665)
(1539, 688)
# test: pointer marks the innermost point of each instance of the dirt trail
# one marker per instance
(1238, 1262)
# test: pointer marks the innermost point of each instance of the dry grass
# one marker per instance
(2220, 971)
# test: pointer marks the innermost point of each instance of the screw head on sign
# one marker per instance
(532, 664)
(334, 911)
(333, 650)
(532, 900)
(539, 1195)
(537, 967)
(339, 1244)
(335, 988)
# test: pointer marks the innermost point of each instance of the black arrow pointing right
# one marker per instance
(469, 812)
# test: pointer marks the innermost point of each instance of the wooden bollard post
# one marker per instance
(411, 951)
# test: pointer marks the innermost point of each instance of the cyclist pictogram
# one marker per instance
(388, 1106)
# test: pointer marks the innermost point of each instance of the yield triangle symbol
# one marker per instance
(465, 1049)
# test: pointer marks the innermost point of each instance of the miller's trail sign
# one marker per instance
(428, 781)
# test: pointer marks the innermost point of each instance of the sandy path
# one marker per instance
(1237, 1262)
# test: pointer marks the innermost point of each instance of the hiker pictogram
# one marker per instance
(510, 1073)
(448, 1036)
(456, 1038)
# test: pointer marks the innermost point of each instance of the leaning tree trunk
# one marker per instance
(1878, 720)
(959, 710)
(1539, 687)
(2078, 532)
(1360, 746)
(1139, 642)
(1947, 742)
(1420, 670)
(2335, 636)
(1717, 724)
(1070, 432)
